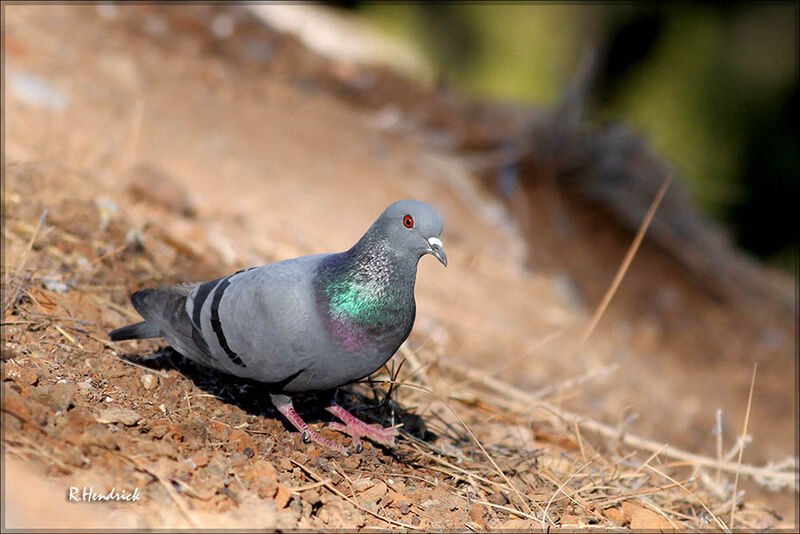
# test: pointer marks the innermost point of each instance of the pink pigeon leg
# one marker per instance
(358, 428)
(288, 411)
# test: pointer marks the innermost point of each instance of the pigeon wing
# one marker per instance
(260, 323)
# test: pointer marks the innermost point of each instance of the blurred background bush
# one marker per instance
(713, 88)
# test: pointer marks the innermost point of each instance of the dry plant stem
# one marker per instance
(498, 386)
(331, 487)
(580, 440)
(652, 456)
(573, 496)
(347, 479)
(512, 511)
(525, 355)
(133, 141)
(741, 449)
(34, 449)
(192, 492)
(718, 429)
(605, 503)
(719, 521)
(24, 260)
(184, 509)
(162, 374)
(417, 368)
(560, 490)
(625, 264)
(98, 259)
(467, 475)
(455, 468)
(526, 402)
(307, 487)
(593, 375)
(67, 336)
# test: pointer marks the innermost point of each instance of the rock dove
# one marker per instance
(312, 323)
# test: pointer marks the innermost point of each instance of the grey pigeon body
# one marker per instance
(305, 324)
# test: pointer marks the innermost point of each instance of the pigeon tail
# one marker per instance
(156, 305)
(141, 330)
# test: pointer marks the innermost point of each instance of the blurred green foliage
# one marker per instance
(712, 87)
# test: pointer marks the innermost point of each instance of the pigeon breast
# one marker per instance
(365, 298)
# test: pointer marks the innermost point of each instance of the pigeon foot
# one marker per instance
(291, 415)
(358, 429)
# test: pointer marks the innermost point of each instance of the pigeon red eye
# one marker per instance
(408, 221)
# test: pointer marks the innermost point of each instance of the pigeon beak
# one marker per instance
(437, 249)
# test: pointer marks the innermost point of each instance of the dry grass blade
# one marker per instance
(512, 511)
(307, 487)
(32, 448)
(184, 509)
(474, 438)
(417, 367)
(718, 432)
(12, 297)
(133, 141)
(719, 521)
(495, 384)
(560, 489)
(741, 449)
(568, 384)
(513, 361)
(605, 503)
(162, 374)
(650, 459)
(625, 264)
(331, 487)
(454, 470)
(91, 264)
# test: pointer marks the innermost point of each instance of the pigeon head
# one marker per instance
(412, 228)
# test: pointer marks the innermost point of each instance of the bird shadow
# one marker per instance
(253, 397)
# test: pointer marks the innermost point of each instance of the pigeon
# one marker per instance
(307, 324)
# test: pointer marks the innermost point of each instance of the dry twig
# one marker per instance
(741, 449)
(625, 264)
(12, 297)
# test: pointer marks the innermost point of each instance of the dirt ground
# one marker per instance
(142, 148)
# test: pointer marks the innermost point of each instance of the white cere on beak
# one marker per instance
(436, 248)
(435, 242)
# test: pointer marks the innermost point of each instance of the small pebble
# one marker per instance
(118, 415)
(149, 382)
(374, 493)
(498, 498)
(362, 484)
(159, 431)
(21, 375)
